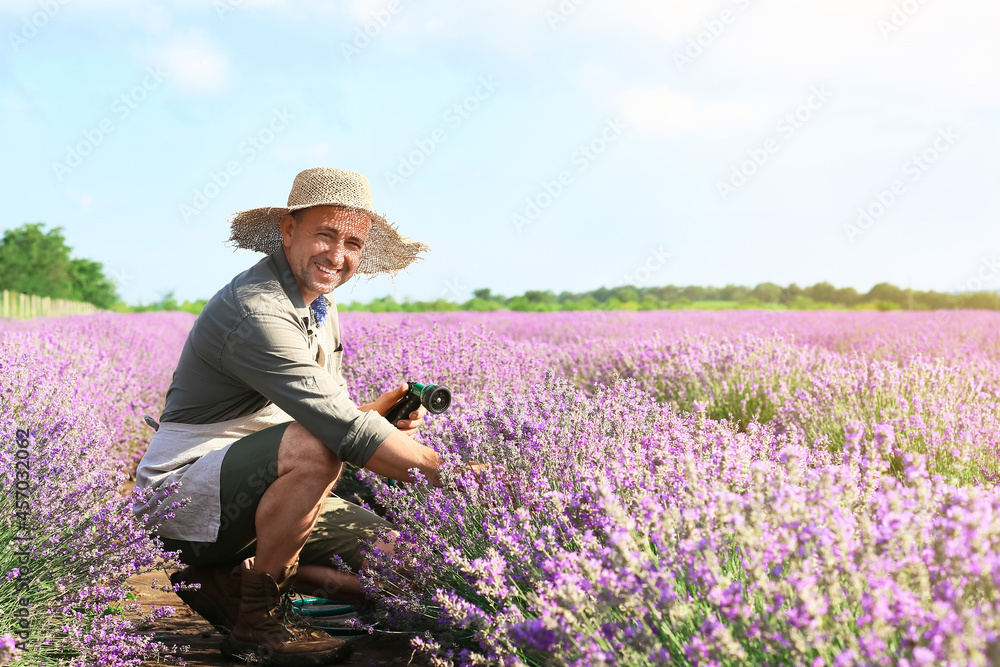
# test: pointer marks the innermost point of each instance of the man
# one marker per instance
(258, 423)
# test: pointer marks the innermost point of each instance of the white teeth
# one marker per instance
(327, 271)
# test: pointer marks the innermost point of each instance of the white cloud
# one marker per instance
(939, 47)
(663, 20)
(660, 111)
(152, 18)
(194, 64)
(364, 10)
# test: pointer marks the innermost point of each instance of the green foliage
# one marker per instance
(694, 293)
(485, 294)
(767, 293)
(627, 294)
(587, 303)
(88, 283)
(535, 296)
(733, 293)
(480, 305)
(532, 304)
(37, 262)
(765, 296)
(166, 302)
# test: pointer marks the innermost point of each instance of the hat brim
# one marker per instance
(385, 250)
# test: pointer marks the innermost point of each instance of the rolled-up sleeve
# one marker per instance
(268, 353)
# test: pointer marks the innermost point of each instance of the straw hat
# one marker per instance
(385, 251)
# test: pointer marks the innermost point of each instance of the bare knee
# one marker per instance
(301, 451)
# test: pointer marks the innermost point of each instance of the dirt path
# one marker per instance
(187, 628)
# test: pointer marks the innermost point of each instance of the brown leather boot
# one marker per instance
(218, 599)
(260, 629)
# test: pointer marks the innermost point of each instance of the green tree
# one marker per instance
(167, 302)
(669, 293)
(602, 294)
(694, 293)
(887, 292)
(847, 296)
(585, 303)
(981, 300)
(88, 283)
(35, 262)
(821, 292)
(481, 305)
(650, 302)
(766, 293)
(385, 304)
(733, 293)
(538, 296)
(790, 293)
(934, 300)
(627, 294)
(38, 262)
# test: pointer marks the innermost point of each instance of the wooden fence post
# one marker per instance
(16, 305)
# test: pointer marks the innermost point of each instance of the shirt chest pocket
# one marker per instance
(331, 362)
(336, 357)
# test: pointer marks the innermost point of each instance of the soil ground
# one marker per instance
(186, 628)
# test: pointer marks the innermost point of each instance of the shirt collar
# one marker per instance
(288, 282)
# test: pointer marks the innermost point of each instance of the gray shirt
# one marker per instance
(254, 358)
(256, 343)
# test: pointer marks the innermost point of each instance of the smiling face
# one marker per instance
(323, 246)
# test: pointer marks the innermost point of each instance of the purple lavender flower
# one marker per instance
(666, 487)
(8, 649)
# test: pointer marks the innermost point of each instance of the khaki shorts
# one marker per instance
(249, 467)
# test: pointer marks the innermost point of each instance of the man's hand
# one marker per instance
(389, 399)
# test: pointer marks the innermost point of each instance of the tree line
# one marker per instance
(39, 262)
(883, 296)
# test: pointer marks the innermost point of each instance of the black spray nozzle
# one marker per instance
(434, 397)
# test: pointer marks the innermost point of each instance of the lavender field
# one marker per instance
(703, 488)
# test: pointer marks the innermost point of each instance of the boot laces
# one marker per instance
(295, 623)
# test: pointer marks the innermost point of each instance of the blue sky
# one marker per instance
(533, 145)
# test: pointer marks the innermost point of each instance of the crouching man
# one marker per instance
(258, 424)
